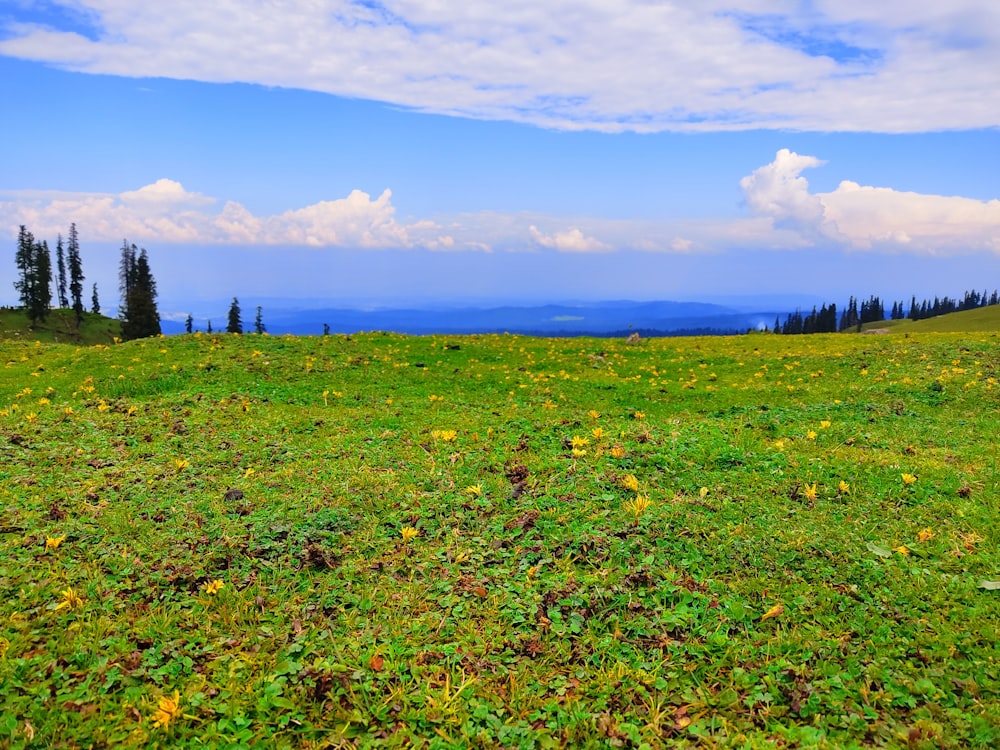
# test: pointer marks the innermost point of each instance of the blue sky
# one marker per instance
(402, 152)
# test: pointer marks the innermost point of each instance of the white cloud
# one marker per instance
(893, 66)
(165, 212)
(864, 217)
(568, 241)
(786, 215)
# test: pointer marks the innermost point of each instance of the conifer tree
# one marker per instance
(189, 323)
(75, 273)
(235, 324)
(61, 273)
(24, 259)
(95, 302)
(258, 322)
(138, 312)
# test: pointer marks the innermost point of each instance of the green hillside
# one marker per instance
(979, 319)
(58, 327)
(498, 541)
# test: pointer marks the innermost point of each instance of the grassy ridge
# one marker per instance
(58, 327)
(982, 319)
(761, 541)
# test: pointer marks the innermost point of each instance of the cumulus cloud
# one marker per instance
(568, 241)
(892, 66)
(165, 212)
(865, 217)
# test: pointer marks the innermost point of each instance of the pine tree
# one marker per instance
(235, 324)
(42, 296)
(75, 273)
(138, 312)
(25, 262)
(189, 323)
(258, 322)
(95, 302)
(209, 327)
(61, 273)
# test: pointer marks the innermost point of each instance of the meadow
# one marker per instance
(498, 541)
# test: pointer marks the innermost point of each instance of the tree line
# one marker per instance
(138, 311)
(872, 310)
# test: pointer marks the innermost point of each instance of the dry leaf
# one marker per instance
(774, 611)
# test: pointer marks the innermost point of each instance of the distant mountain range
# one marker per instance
(570, 319)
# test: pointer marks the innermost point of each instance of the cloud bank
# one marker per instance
(829, 65)
(785, 215)
(165, 212)
(864, 217)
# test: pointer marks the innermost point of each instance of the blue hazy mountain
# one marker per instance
(566, 319)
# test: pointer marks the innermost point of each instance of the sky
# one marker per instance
(405, 152)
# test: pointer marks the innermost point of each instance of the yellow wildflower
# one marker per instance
(810, 492)
(593, 414)
(638, 415)
(811, 435)
(579, 442)
(908, 478)
(617, 452)
(844, 488)
(824, 424)
(408, 533)
(181, 463)
(703, 493)
(638, 505)
(70, 600)
(213, 587)
(168, 708)
(597, 432)
(476, 490)
(903, 549)
(630, 482)
(53, 542)
(925, 534)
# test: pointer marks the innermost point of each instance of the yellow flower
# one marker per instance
(908, 478)
(53, 542)
(213, 587)
(408, 533)
(168, 708)
(824, 424)
(630, 482)
(703, 493)
(903, 549)
(593, 414)
(638, 505)
(447, 436)
(70, 600)
(844, 487)
(779, 444)
(638, 415)
(617, 452)
(597, 432)
(811, 435)
(476, 490)
(579, 442)
(925, 534)
(578, 452)
(810, 492)
(181, 463)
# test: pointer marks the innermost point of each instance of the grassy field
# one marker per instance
(58, 327)
(980, 320)
(751, 542)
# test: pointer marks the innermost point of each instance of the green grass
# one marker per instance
(58, 327)
(703, 542)
(967, 321)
